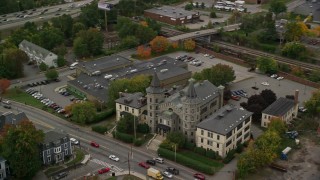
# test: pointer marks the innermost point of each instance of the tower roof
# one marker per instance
(191, 91)
(155, 81)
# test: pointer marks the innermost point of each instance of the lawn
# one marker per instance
(53, 169)
(21, 96)
(79, 157)
(267, 5)
(202, 159)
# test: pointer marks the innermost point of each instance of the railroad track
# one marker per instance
(168, 32)
(259, 53)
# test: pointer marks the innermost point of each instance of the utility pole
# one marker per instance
(134, 127)
(105, 19)
(175, 152)
(128, 163)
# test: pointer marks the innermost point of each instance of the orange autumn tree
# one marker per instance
(144, 52)
(175, 45)
(189, 45)
(144, 23)
(159, 44)
(4, 85)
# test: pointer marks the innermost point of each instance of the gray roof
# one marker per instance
(36, 48)
(225, 120)
(104, 62)
(170, 11)
(155, 85)
(280, 107)
(135, 100)
(11, 118)
(52, 136)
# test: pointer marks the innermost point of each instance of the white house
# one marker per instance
(283, 108)
(38, 54)
(135, 104)
(224, 130)
(4, 169)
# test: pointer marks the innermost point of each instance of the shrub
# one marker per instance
(200, 150)
(99, 129)
(211, 154)
(239, 148)
(166, 144)
(229, 157)
(143, 128)
(186, 161)
(189, 145)
(213, 14)
(138, 142)
(102, 116)
(127, 138)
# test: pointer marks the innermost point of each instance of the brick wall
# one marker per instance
(299, 80)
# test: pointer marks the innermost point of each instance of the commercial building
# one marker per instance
(38, 54)
(283, 108)
(55, 148)
(181, 110)
(224, 130)
(172, 15)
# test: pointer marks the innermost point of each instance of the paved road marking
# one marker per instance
(112, 167)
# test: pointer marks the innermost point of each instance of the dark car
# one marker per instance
(151, 162)
(172, 170)
(61, 175)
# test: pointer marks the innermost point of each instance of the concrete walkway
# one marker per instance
(154, 145)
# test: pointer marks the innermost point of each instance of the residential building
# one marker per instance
(38, 54)
(181, 110)
(55, 148)
(9, 118)
(224, 130)
(4, 169)
(283, 108)
(172, 15)
(132, 103)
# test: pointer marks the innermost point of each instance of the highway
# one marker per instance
(12, 20)
(108, 145)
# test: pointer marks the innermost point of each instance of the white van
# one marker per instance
(108, 76)
(96, 73)
(73, 65)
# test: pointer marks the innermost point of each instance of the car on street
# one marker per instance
(172, 170)
(103, 170)
(236, 98)
(114, 158)
(74, 141)
(167, 174)
(265, 83)
(144, 165)
(199, 176)
(280, 78)
(61, 175)
(211, 57)
(94, 144)
(159, 160)
(206, 55)
(274, 76)
(151, 162)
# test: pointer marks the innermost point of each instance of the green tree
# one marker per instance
(83, 112)
(20, 147)
(52, 74)
(213, 14)
(43, 66)
(80, 47)
(61, 61)
(269, 34)
(126, 124)
(144, 34)
(210, 25)
(154, 25)
(177, 138)
(202, 5)
(188, 7)
(269, 96)
(277, 125)
(294, 50)
(277, 6)
(313, 104)
(129, 42)
(88, 42)
(294, 31)
(219, 74)
(267, 65)
(268, 143)
(63, 23)
(91, 16)
(50, 38)
(314, 76)
(11, 63)
(77, 27)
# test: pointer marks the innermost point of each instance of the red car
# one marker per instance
(94, 144)
(236, 98)
(103, 170)
(199, 176)
(145, 165)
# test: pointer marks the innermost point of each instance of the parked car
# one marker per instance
(274, 76)
(94, 144)
(167, 174)
(103, 170)
(159, 160)
(265, 83)
(61, 175)
(114, 158)
(280, 78)
(236, 98)
(151, 162)
(302, 109)
(74, 141)
(144, 165)
(199, 176)
(172, 170)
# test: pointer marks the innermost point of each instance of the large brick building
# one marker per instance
(172, 15)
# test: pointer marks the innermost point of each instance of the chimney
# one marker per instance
(120, 94)
(296, 96)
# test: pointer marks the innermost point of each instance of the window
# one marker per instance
(150, 99)
(228, 143)
(156, 100)
(213, 104)
(218, 137)
(120, 106)
(218, 145)
(210, 134)
(229, 134)
(65, 145)
(247, 120)
(150, 114)
(150, 107)
(48, 151)
(160, 120)
(185, 133)
(239, 126)
(57, 150)
(157, 108)
(239, 134)
(203, 110)
(247, 128)
(127, 108)
(265, 116)
(201, 140)
(209, 142)
(132, 111)
(66, 152)
(202, 132)
(49, 158)
(191, 133)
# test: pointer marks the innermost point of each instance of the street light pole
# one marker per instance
(134, 127)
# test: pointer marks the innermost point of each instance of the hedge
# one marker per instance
(186, 161)
(229, 156)
(200, 150)
(138, 142)
(189, 145)
(127, 138)
(99, 129)
(102, 116)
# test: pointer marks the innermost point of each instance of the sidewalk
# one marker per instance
(121, 174)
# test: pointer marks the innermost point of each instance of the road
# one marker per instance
(108, 145)
(9, 21)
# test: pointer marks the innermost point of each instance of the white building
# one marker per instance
(224, 130)
(4, 169)
(38, 54)
(283, 108)
(135, 104)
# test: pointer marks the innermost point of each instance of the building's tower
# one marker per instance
(191, 112)
(221, 91)
(155, 95)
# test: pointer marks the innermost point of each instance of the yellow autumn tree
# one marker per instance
(144, 23)
(189, 45)
(159, 44)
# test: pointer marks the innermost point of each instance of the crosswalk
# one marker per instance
(105, 164)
